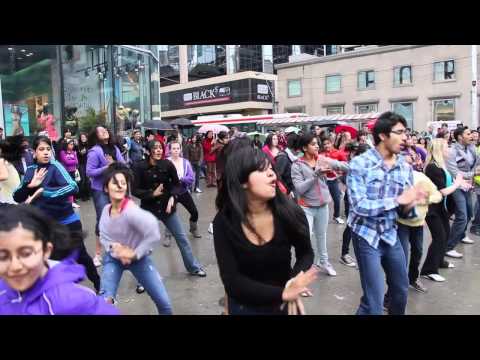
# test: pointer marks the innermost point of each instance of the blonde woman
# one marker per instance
(437, 215)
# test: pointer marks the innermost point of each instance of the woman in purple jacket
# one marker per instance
(31, 284)
(187, 177)
(69, 160)
(101, 154)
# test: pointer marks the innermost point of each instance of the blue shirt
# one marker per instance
(372, 191)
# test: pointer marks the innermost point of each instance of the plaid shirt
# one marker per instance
(372, 192)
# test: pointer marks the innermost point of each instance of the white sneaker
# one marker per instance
(348, 261)
(434, 277)
(327, 268)
(454, 254)
(197, 190)
(467, 240)
(210, 228)
(75, 206)
(339, 220)
(97, 261)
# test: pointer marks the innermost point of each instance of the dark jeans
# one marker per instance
(476, 220)
(196, 169)
(235, 308)
(413, 236)
(76, 233)
(186, 200)
(347, 233)
(84, 184)
(463, 214)
(440, 229)
(370, 263)
(100, 199)
(336, 196)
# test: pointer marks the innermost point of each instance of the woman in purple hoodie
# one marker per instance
(101, 154)
(31, 284)
(187, 177)
(69, 160)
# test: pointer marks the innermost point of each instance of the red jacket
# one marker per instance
(207, 147)
(335, 155)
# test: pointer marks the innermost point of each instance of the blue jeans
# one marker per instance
(476, 219)
(336, 196)
(100, 199)
(174, 225)
(146, 274)
(412, 237)
(370, 263)
(317, 218)
(463, 214)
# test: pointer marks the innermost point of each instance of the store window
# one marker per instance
(444, 110)
(402, 75)
(30, 90)
(294, 88)
(335, 109)
(87, 87)
(366, 108)
(444, 70)
(366, 80)
(333, 83)
(406, 110)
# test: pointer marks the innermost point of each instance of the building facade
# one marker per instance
(423, 83)
(80, 85)
(205, 80)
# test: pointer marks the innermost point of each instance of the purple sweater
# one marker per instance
(69, 160)
(97, 164)
(57, 293)
(188, 176)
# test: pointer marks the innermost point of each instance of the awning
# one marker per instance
(321, 119)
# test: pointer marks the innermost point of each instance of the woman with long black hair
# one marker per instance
(48, 186)
(102, 153)
(84, 184)
(154, 184)
(254, 230)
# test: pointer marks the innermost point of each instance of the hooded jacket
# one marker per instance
(57, 293)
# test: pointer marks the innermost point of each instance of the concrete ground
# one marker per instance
(340, 295)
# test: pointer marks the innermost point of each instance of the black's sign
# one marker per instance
(216, 94)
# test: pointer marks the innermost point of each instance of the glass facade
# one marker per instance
(169, 60)
(205, 61)
(51, 88)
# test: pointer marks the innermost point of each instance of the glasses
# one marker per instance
(399, 132)
(27, 257)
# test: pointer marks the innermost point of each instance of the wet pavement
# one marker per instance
(340, 295)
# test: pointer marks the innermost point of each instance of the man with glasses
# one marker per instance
(462, 159)
(380, 189)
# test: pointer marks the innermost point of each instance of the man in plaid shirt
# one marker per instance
(380, 188)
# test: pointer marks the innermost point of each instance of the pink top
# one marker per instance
(47, 122)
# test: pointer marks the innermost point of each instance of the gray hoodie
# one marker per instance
(310, 188)
(460, 160)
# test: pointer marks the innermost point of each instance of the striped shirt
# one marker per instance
(372, 190)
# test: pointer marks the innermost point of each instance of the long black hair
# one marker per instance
(232, 197)
(108, 148)
(11, 148)
(111, 175)
(42, 226)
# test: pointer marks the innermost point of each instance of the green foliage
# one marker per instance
(91, 119)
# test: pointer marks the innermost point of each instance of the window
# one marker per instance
(294, 88)
(367, 108)
(444, 70)
(444, 110)
(205, 61)
(295, 109)
(402, 75)
(333, 83)
(406, 110)
(366, 79)
(335, 109)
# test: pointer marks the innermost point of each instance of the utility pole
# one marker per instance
(474, 97)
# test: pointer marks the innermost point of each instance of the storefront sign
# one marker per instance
(221, 93)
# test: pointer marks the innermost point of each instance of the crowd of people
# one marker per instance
(272, 197)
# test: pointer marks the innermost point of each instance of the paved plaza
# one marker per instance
(340, 295)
